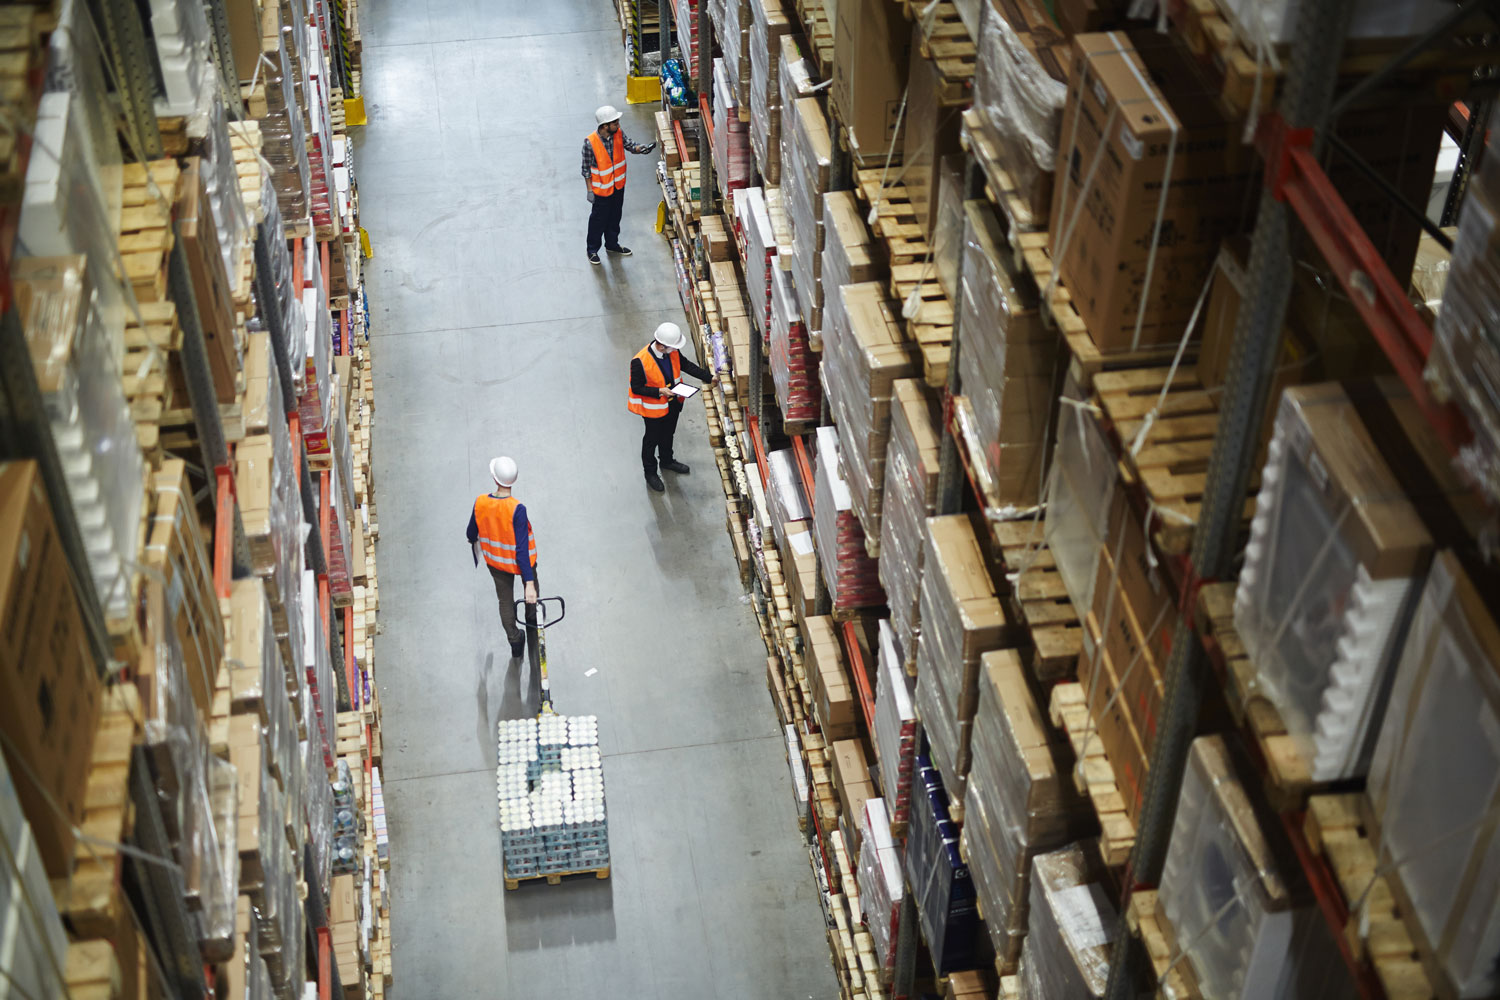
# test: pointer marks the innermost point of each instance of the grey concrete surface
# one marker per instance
(493, 334)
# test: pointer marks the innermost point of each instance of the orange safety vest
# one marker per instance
(496, 517)
(608, 175)
(653, 407)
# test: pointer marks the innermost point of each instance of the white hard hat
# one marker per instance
(671, 335)
(503, 470)
(606, 114)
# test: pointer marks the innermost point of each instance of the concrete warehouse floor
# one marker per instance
(493, 334)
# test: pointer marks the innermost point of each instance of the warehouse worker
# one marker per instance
(604, 175)
(653, 372)
(497, 524)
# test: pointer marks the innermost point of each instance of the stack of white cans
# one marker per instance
(550, 782)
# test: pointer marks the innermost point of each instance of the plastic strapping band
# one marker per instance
(1161, 200)
(1083, 187)
(890, 154)
(1187, 335)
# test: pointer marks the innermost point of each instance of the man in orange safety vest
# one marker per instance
(500, 531)
(604, 173)
(654, 370)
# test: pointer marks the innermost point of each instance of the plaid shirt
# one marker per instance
(588, 151)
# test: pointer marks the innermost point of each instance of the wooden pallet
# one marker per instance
(1385, 930)
(999, 187)
(944, 40)
(1172, 463)
(896, 220)
(1093, 775)
(818, 29)
(1039, 602)
(1288, 773)
(555, 878)
(1176, 979)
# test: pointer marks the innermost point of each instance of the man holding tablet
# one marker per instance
(656, 393)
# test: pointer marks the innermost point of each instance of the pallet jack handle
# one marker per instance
(526, 615)
(536, 645)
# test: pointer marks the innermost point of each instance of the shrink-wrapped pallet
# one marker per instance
(1020, 799)
(848, 250)
(940, 881)
(848, 570)
(794, 366)
(1008, 360)
(1070, 928)
(731, 136)
(806, 153)
(754, 222)
(785, 494)
(863, 355)
(962, 619)
(881, 887)
(910, 497)
(769, 24)
(895, 727)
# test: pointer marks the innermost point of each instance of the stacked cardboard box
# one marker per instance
(962, 619)
(806, 152)
(1007, 368)
(828, 677)
(910, 497)
(731, 135)
(864, 354)
(871, 52)
(1020, 800)
(895, 727)
(794, 365)
(848, 570)
(1071, 926)
(769, 24)
(881, 886)
(932, 128)
(940, 880)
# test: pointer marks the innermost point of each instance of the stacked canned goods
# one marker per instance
(550, 781)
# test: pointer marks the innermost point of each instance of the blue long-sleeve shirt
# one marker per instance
(523, 541)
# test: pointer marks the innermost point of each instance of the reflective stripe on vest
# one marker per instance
(496, 517)
(647, 407)
(608, 174)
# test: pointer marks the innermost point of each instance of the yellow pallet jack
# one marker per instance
(536, 642)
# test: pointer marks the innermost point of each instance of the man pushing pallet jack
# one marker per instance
(549, 775)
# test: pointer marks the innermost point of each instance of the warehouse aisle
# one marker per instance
(494, 334)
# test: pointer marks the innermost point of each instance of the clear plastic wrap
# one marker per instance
(850, 573)
(1007, 365)
(184, 61)
(284, 143)
(1261, 23)
(73, 351)
(33, 941)
(939, 879)
(731, 136)
(863, 354)
(794, 366)
(76, 65)
(1465, 360)
(881, 887)
(1072, 924)
(317, 662)
(895, 733)
(1080, 495)
(910, 497)
(848, 251)
(685, 30)
(806, 153)
(221, 183)
(1020, 800)
(1328, 580)
(315, 395)
(785, 494)
(1435, 777)
(760, 253)
(1020, 107)
(768, 24)
(962, 618)
(1220, 886)
(271, 509)
(948, 230)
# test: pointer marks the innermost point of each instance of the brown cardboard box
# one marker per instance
(1141, 661)
(799, 562)
(1078, 16)
(931, 134)
(1169, 151)
(1115, 729)
(871, 51)
(832, 689)
(846, 235)
(50, 694)
(849, 768)
(343, 902)
(244, 36)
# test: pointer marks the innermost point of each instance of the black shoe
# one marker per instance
(678, 467)
(654, 482)
(619, 251)
(593, 257)
(517, 648)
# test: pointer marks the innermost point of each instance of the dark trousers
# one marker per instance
(505, 592)
(604, 220)
(658, 439)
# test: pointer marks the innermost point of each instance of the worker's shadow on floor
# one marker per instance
(504, 689)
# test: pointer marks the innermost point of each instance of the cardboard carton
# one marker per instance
(871, 51)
